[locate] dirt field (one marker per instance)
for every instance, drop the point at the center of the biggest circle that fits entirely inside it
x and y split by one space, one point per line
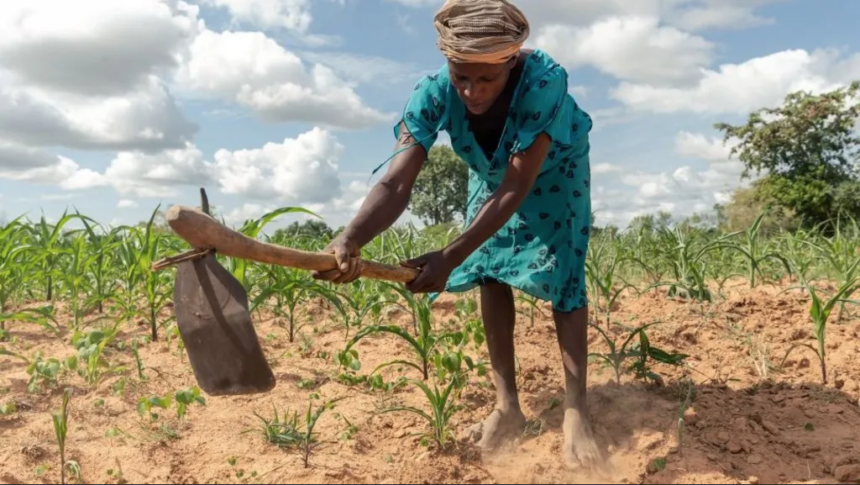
739 427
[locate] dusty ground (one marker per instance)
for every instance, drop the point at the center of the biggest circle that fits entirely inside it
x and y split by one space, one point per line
739 428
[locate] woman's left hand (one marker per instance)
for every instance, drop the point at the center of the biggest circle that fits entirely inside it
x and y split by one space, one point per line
435 269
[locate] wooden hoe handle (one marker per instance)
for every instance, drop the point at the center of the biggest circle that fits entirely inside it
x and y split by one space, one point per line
204 232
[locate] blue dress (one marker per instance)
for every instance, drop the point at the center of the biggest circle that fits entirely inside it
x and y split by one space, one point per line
541 250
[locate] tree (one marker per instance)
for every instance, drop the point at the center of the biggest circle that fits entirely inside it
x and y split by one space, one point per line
311 228
746 205
808 151
442 188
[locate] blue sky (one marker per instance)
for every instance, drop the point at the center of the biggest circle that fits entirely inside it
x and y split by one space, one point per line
115 111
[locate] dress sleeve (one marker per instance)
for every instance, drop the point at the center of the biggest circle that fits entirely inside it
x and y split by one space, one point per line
425 110
546 107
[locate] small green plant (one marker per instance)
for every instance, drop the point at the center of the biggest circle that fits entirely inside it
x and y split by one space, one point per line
442 408
819 312
182 399
8 409
61 429
640 351
289 432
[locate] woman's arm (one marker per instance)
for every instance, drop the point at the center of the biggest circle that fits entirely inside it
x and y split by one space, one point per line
496 211
390 196
382 207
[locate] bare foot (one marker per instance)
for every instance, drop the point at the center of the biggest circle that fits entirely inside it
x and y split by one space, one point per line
499 427
580 448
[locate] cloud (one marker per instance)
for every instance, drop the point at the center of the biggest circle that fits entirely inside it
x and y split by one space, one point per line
712 14
31 165
742 88
254 71
126 204
298 170
699 146
145 119
636 49
267 14
685 14
248 210
417 3
138 174
364 69
91 47
682 191
605 168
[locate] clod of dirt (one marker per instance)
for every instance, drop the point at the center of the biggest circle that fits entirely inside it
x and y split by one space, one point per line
735 447
754 460
754 480
848 474
691 417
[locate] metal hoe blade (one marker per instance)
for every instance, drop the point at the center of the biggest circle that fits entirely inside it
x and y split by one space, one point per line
215 325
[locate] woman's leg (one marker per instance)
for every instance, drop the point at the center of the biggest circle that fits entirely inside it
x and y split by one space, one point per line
507 419
572 331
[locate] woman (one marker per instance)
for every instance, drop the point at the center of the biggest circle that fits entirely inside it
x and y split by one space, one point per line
510 117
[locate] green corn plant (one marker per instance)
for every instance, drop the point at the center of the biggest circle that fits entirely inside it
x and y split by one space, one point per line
77 278
253 228
157 284
290 288
104 247
42 316
601 271
630 350
359 300
751 248
682 250
130 278
443 406
61 430
819 312
312 417
798 250
423 346
16 261
533 306
48 240
843 257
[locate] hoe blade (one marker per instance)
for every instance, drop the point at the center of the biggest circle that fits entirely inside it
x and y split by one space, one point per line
212 314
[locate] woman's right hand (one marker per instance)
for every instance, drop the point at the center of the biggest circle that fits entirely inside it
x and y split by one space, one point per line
346 253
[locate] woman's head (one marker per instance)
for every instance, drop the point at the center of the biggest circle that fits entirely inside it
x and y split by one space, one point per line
481 40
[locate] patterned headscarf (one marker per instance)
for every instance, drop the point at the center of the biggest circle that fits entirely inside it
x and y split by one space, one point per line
480 31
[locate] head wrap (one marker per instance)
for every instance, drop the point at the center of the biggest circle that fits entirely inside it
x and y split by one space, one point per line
480 31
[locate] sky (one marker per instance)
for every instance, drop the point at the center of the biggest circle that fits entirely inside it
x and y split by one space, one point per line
116 107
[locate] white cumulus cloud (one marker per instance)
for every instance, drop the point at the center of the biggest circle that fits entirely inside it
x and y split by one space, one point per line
254 71
298 170
31 165
636 49
741 88
267 14
95 47
138 174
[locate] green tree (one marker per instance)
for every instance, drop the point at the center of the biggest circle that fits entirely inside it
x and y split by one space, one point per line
311 228
808 152
442 187
747 204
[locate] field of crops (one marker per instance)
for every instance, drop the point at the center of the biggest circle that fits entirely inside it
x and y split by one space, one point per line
716 358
